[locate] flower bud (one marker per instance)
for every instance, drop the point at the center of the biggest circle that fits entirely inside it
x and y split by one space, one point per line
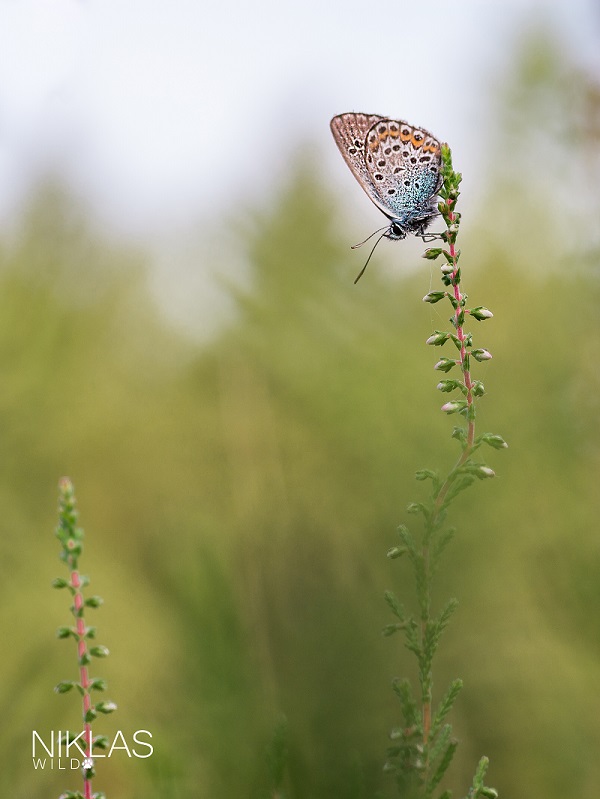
454 406
445 364
99 651
480 313
494 440
481 355
425 474
437 338
435 296
448 385
395 552
106 707
64 686
431 253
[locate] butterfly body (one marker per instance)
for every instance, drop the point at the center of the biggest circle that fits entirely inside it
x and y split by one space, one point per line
397 165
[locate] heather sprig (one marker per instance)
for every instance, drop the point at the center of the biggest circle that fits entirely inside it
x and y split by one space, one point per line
71 539
422 745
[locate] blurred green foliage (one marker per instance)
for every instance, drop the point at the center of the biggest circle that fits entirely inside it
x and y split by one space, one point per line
239 497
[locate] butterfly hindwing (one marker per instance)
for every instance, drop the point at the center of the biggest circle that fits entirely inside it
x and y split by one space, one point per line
403 163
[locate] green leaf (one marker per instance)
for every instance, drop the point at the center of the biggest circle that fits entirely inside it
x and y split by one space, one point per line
395 606
410 713
460 434
440 545
445 705
442 768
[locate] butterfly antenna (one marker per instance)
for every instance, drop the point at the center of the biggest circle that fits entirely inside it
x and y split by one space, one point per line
375 232
362 271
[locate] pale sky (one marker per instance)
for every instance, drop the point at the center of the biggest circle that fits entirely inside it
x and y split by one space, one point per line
160 112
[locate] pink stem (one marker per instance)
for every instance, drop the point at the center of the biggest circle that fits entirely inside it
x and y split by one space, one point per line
466 379
83 674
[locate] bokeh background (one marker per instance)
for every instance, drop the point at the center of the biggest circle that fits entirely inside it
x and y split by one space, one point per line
180 334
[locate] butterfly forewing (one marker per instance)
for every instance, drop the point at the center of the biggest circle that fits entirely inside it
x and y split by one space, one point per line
350 132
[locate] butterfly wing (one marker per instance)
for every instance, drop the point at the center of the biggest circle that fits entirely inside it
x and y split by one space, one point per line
403 164
350 131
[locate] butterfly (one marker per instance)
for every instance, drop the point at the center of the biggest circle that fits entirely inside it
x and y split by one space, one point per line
399 167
